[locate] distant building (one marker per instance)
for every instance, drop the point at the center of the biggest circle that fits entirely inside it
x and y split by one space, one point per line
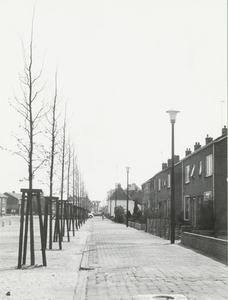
13 203
118 197
3 204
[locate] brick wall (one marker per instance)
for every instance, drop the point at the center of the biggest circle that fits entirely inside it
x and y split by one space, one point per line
220 185
216 248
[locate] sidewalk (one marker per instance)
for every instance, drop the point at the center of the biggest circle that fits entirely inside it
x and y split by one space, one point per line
105 260
57 281
126 264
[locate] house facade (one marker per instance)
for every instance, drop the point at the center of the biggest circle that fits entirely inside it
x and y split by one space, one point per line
13 203
3 204
118 197
156 192
204 186
200 186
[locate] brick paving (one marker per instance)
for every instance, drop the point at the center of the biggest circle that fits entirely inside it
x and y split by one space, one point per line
105 260
124 263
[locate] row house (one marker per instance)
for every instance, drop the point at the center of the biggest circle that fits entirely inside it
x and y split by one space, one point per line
157 191
200 186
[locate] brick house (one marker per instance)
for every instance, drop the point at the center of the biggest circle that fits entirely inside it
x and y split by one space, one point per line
200 186
204 187
13 203
157 191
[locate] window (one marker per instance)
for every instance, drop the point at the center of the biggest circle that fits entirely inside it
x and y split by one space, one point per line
168 208
164 181
187 171
168 181
200 167
208 165
165 209
159 184
193 170
207 196
186 208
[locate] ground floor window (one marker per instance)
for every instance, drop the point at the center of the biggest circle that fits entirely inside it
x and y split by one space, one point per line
186 208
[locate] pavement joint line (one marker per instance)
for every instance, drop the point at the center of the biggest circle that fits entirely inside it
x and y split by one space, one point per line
161 297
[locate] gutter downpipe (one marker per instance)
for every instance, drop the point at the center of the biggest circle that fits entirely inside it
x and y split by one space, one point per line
213 188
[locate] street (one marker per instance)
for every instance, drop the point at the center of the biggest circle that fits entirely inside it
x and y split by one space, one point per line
106 260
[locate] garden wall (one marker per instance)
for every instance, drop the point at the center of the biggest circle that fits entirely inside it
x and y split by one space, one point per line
214 247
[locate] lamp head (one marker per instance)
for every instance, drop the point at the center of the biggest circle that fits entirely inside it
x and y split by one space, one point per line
172 115
127 168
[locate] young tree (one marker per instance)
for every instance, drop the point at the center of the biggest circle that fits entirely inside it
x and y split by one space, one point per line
63 157
31 107
52 132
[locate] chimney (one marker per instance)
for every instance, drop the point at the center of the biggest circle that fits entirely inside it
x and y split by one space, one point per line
224 130
208 139
197 146
164 166
176 160
188 151
169 162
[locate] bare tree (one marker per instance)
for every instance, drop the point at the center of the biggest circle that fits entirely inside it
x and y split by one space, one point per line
31 108
69 167
63 157
53 132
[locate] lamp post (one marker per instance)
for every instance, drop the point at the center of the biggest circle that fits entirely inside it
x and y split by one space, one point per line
116 199
172 114
110 203
127 168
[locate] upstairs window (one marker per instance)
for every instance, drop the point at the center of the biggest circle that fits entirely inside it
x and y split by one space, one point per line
193 171
200 167
208 165
168 181
187 171
159 184
164 182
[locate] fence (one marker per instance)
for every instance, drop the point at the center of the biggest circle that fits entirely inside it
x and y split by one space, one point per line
159 227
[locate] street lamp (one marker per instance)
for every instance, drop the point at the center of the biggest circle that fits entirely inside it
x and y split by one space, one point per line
116 199
127 168
172 114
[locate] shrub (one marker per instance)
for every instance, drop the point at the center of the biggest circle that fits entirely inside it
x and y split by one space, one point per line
119 214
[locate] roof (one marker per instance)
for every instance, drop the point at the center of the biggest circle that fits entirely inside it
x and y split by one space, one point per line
120 194
136 196
209 144
3 196
15 195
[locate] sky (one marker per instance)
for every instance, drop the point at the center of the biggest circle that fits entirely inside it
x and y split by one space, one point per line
121 65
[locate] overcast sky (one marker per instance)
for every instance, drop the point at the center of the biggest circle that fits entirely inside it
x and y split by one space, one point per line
121 65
